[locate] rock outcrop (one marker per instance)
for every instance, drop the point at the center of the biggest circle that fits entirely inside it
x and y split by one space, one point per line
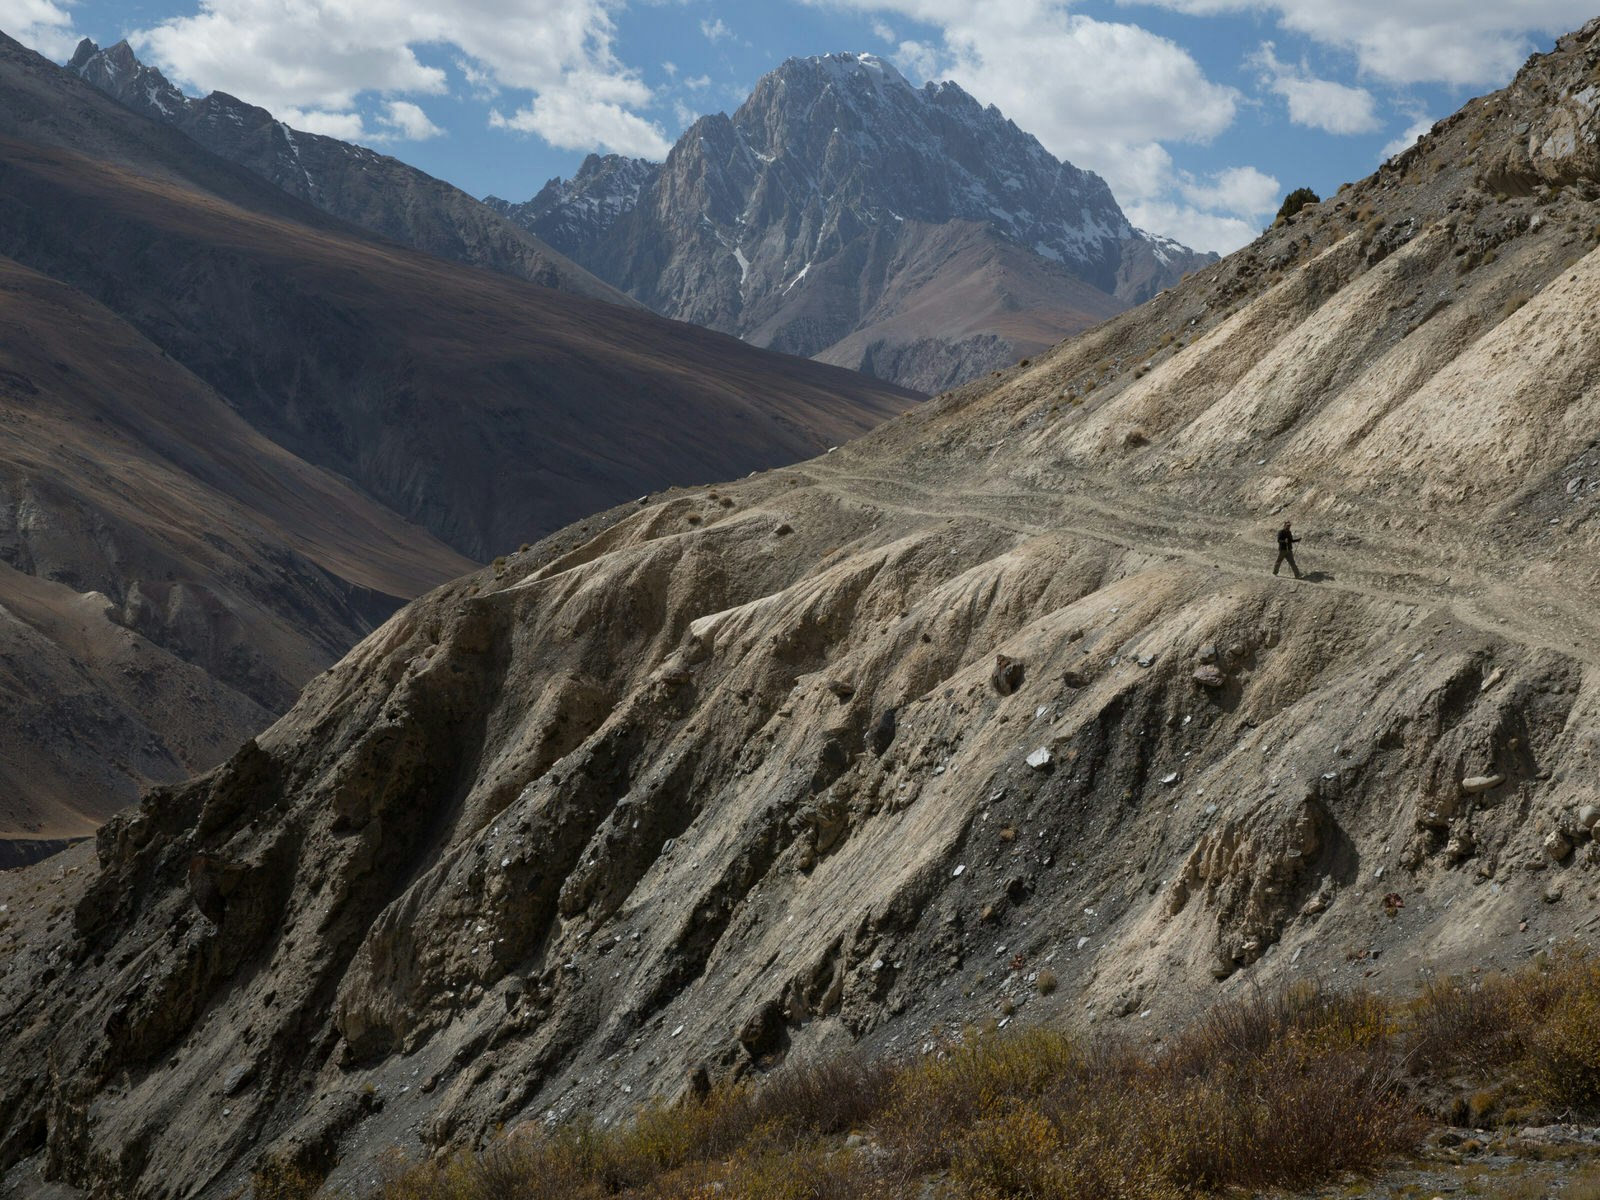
724 776
843 214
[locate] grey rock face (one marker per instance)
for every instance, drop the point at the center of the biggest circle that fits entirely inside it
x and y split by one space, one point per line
572 214
787 223
351 182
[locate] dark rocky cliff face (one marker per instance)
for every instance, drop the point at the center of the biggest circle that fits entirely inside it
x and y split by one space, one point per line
788 222
358 185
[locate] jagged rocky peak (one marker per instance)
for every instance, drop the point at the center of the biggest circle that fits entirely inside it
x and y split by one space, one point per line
351 182
573 212
835 212
931 154
117 71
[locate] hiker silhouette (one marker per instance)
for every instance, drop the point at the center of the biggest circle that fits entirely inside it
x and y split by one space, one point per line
1286 541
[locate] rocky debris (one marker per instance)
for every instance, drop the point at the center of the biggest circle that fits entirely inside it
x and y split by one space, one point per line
1040 759
1558 845
1209 676
1007 674
1473 784
881 736
1250 874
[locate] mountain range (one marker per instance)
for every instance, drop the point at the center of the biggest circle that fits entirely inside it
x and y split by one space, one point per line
843 214
351 182
237 431
846 755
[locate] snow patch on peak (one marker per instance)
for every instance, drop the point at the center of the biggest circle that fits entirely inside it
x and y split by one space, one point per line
848 65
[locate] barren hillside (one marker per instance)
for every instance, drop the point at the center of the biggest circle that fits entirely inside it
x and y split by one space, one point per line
730 775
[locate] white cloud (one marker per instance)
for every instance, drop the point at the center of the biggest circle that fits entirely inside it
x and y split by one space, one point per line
1419 126
1240 191
1195 229
408 121
346 126
570 121
698 83
1418 41
40 25
716 30
324 59
883 32
1221 211
1317 103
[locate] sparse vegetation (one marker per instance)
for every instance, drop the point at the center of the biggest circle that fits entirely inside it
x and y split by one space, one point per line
1268 1092
1515 301
1294 202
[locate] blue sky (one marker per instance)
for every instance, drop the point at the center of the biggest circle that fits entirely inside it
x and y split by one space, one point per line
1201 114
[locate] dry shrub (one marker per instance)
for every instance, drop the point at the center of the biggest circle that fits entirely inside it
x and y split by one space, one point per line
1287 1119
796 1103
1305 1016
1562 1009
1019 1151
937 1100
1460 1024
283 1181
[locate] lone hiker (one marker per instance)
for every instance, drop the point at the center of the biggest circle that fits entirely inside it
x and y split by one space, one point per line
1286 541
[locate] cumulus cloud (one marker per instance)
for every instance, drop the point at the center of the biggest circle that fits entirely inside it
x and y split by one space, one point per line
1088 89
40 25
1240 191
1317 103
1220 211
346 126
716 30
408 121
570 120
1420 41
324 58
1194 228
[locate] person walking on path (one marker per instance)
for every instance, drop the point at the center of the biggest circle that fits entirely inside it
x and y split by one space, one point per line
1286 541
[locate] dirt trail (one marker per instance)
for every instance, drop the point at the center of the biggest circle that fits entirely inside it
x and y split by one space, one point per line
1415 576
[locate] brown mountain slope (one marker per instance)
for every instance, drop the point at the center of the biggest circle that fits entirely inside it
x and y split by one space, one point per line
702 784
961 300
486 409
171 576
